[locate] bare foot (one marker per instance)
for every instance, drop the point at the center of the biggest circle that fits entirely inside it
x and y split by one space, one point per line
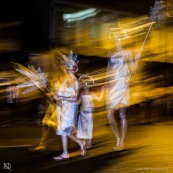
83 148
119 147
39 148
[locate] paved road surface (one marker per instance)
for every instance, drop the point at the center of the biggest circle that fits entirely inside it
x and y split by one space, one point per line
149 149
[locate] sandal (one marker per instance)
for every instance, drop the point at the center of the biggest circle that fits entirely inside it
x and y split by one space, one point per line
61 157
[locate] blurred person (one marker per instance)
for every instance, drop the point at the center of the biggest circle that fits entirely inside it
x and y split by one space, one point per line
36 80
41 110
67 95
12 100
12 93
50 119
119 70
49 122
85 119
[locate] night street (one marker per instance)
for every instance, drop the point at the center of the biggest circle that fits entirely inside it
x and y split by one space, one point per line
148 148
91 71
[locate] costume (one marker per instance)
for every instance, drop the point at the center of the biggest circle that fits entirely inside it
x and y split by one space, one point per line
85 119
67 113
118 74
67 93
120 68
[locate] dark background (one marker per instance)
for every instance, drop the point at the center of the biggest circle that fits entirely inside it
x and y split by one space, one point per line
34 17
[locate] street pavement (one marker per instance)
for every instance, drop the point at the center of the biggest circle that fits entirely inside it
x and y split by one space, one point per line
148 149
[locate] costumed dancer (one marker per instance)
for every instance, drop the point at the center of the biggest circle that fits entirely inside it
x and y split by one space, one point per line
119 70
37 80
67 95
49 122
85 119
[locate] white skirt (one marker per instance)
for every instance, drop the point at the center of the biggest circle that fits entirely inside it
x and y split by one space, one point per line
85 124
67 116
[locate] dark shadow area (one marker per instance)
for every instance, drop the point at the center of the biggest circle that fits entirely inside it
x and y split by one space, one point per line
42 162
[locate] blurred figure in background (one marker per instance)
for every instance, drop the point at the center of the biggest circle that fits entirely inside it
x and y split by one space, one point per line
49 122
41 110
12 100
119 70
37 81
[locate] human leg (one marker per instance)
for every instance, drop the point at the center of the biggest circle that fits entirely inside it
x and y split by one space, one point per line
65 154
45 132
81 143
113 125
122 113
64 141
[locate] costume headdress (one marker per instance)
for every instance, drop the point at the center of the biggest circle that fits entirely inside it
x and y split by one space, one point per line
86 81
117 34
68 61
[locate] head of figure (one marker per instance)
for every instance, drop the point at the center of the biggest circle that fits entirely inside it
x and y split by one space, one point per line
71 67
117 35
66 60
86 82
85 86
71 63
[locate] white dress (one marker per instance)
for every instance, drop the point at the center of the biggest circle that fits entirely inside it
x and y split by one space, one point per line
85 119
67 114
117 90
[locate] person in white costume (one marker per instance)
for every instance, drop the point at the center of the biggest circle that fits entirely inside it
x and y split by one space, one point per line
85 119
119 70
67 96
